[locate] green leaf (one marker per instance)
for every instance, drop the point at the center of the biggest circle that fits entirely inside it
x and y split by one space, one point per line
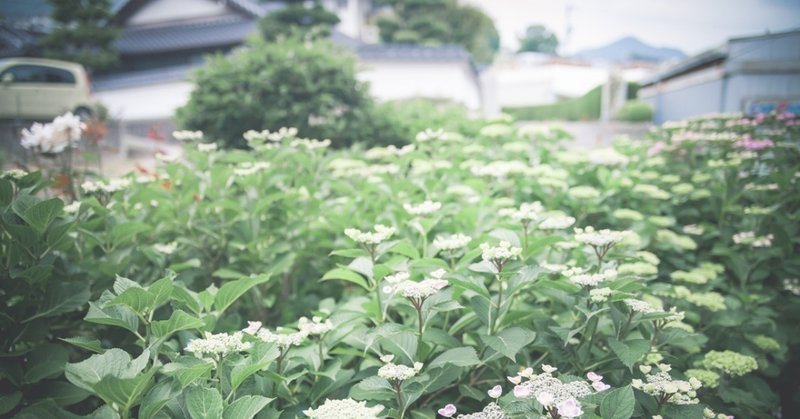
161 291
9 401
187 369
62 392
372 388
618 403
245 407
406 249
261 356
179 320
629 351
86 343
137 299
41 214
122 233
62 297
113 362
204 403
45 361
125 392
231 291
346 275
462 357
119 316
510 341
158 397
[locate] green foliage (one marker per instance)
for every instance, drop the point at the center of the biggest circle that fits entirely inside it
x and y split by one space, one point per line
299 18
399 318
271 85
635 111
586 107
438 22
539 39
83 33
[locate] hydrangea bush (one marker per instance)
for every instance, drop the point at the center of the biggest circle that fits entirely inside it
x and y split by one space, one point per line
497 275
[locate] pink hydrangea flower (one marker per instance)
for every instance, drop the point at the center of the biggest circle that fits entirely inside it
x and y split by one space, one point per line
594 377
569 408
448 410
522 392
495 392
656 148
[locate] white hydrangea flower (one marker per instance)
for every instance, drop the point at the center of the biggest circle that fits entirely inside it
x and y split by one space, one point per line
527 212
13 174
750 238
500 253
310 144
315 326
599 295
55 137
381 234
186 135
248 168
592 280
167 249
112 186
219 344
640 306
501 169
344 409
599 238
661 385
282 339
166 158
556 222
451 242
431 135
425 208
394 372
207 147
73 207
378 153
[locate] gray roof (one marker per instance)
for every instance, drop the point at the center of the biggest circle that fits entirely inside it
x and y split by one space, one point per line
142 77
690 64
211 33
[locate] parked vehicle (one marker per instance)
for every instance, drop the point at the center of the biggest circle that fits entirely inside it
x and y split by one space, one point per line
35 88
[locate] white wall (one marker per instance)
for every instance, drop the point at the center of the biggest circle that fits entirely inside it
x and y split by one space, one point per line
392 80
158 11
526 84
157 101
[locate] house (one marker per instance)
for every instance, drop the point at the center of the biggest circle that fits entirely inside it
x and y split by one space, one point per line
749 74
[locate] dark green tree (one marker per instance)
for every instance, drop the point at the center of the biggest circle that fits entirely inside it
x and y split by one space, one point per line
437 22
307 19
83 33
539 39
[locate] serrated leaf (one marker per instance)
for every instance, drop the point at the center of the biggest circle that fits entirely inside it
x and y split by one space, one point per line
125 392
187 369
461 357
618 403
122 233
138 299
204 403
120 316
158 397
179 320
509 342
372 388
261 356
231 291
41 214
62 297
85 342
406 249
245 407
629 351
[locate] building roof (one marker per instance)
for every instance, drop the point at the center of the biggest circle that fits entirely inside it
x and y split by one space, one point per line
182 36
143 77
15 41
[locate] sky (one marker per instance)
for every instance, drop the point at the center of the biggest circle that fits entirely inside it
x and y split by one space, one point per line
689 25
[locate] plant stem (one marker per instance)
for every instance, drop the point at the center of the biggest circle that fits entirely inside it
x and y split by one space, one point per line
499 303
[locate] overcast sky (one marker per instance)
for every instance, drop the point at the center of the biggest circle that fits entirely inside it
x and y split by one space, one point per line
689 25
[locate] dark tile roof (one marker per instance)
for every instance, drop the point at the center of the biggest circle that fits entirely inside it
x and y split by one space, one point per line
201 34
15 41
142 77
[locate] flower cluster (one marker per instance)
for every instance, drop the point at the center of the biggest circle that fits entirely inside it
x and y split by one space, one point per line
498 255
661 385
248 168
651 191
13 174
599 295
527 212
451 242
592 280
431 135
378 153
282 339
111 186
219 344
709 379
310 143
551 393
416 291
491 411
599 238
166 248
185 135
425 208
315 326
206 147
54 137
729 362
381 234
750 238
556 222
344 409
395 372
266 135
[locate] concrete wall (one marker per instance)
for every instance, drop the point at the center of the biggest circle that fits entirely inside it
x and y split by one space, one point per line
393 80
158 11
156 101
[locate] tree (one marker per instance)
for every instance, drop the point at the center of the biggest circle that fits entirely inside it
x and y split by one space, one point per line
291 83
299 18
437 22
83 33
539 39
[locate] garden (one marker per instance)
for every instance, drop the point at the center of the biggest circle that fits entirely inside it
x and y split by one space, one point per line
487 273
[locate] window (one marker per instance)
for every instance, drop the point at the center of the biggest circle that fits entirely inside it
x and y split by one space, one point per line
28 73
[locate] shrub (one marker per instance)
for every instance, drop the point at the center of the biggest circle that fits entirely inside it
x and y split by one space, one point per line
635 111
586 107
310 86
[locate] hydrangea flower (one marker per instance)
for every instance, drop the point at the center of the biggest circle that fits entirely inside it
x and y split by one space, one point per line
220 344
54 137
397 373
569 408
527 212
592 280
282 339
207 147
556 222
315 326
425 208
604 238
662 386
709 379
344 409
167 249
730 363
431 135
380 234
451 242
599 295
500 254
447 411
491 411
186 135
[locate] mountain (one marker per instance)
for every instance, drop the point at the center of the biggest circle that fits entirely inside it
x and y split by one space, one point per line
630 49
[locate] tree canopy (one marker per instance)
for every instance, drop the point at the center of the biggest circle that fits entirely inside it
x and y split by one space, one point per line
539 39
306 19
82 33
